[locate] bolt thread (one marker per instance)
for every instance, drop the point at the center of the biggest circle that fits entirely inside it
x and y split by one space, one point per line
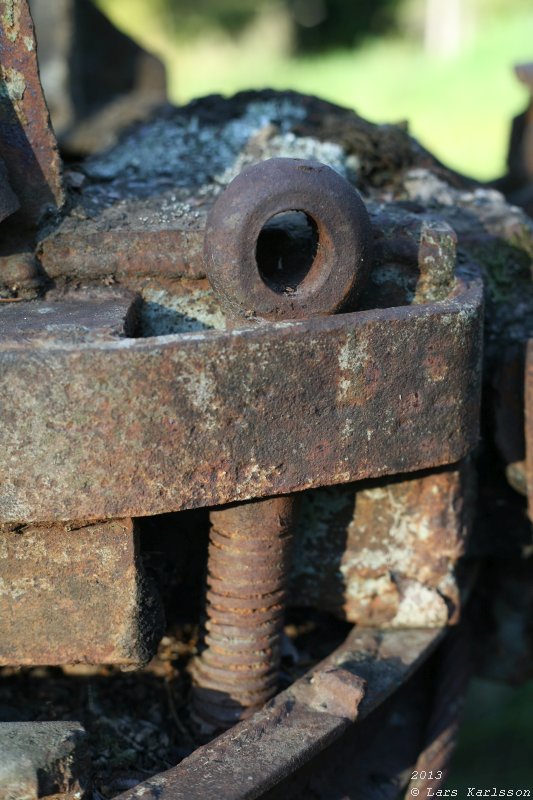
248 565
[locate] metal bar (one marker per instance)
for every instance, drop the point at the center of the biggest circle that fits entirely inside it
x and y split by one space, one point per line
295 726
145 426
27 142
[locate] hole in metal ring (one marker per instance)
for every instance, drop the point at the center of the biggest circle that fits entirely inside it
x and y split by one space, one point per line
286 249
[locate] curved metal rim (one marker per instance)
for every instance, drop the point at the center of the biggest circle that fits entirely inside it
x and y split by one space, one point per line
256 754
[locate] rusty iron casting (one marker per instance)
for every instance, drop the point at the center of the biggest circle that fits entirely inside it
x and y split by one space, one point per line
270 398
60 582
76 317
52 605
249 548
27 143
143 426
351 544
258 753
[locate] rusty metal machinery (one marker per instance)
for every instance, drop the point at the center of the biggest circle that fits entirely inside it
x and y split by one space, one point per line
269 309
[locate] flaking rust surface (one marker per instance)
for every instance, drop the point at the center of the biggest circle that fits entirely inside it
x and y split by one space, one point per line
258 753
74 593
74 316
214 417
386 553
27 142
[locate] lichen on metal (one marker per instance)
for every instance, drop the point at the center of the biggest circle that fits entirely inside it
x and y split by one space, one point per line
27 142
370 371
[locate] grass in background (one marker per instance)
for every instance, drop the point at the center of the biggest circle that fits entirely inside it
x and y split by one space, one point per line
460 108
495 742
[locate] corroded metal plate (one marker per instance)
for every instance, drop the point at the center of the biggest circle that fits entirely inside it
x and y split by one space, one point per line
27 142
144 426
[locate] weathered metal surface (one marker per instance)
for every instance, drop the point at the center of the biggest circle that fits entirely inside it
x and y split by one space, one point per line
294 727
132 242
137 427
19 273
75 593
27 143
414 254
78 316
248 565
386 553
238 670
372 759
141 206
336 273
41 759
376 758
8 199
125 255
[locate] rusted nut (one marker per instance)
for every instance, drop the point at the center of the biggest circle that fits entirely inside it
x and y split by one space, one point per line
337 691
333 278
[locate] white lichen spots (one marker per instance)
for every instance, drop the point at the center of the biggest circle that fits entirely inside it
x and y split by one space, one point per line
289 146
384 559
406 526
193 153
351 360
30 43
109 555
163 313
377 494
420 607
17 587
13 86
10 18
203 399
255 478
190 151
348 429
364 590
424 186
201 394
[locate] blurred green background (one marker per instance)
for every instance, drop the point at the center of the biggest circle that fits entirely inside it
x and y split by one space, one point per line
496 739
443 65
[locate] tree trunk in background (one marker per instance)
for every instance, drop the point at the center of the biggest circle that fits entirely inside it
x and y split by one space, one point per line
443 27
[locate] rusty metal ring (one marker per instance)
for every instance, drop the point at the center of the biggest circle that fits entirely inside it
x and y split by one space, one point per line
260 192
